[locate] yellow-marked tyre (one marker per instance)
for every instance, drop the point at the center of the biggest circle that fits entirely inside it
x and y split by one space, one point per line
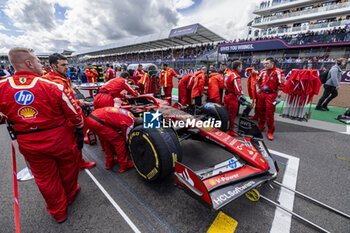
154 152
253 195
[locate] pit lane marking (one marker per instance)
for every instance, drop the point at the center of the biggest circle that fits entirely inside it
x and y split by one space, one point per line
282 220
223 224
116 206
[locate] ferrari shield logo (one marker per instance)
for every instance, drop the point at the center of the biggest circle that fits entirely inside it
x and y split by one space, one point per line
22 80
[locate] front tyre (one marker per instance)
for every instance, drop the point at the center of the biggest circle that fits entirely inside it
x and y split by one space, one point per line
154 152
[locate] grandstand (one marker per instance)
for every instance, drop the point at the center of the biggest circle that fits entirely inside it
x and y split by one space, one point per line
298 33
181 47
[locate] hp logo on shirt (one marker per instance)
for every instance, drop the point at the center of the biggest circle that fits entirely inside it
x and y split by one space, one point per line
151 120
24 97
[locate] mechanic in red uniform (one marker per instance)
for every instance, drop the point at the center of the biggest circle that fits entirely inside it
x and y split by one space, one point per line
215 84
47 68
59 66
104 122
138 73
112 89
91 75
110 73
224 69
144 84
185 86
166 79
233 89
40 111
253 78
270 82
198 86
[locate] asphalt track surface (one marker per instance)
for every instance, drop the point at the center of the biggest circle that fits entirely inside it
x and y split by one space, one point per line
162 207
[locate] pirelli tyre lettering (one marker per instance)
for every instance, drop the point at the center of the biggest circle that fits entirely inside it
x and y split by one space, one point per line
154 152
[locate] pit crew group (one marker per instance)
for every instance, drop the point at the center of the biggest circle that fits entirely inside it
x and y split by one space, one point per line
224 87
50 126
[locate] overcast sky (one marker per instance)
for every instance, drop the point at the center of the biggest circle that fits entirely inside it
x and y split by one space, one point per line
55 25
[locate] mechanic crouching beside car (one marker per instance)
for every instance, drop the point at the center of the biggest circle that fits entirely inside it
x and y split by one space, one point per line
113 125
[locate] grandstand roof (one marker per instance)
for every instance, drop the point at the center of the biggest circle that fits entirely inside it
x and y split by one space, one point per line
183 36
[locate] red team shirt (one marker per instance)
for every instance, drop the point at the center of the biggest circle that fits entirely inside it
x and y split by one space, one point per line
166 77
110 74
271 80
28 108
232 82
117 85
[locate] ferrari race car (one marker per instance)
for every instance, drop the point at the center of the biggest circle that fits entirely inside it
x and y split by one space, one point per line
154 146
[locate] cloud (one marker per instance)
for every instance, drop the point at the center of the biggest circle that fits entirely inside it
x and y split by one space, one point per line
228 18
2 27
33 15
182 4
88 24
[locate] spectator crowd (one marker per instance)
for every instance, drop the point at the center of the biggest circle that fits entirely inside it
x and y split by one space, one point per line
175 54
310 37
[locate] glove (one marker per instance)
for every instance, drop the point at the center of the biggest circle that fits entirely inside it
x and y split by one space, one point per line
259 91
277 100
79 134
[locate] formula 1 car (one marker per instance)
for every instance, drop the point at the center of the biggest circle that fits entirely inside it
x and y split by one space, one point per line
156 151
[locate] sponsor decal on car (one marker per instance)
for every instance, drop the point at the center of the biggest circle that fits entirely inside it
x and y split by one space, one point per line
227 138
231 193
245 124
233 142
226 166
232 163
254 156
219 133
187 177
250 146
226 179
239 147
